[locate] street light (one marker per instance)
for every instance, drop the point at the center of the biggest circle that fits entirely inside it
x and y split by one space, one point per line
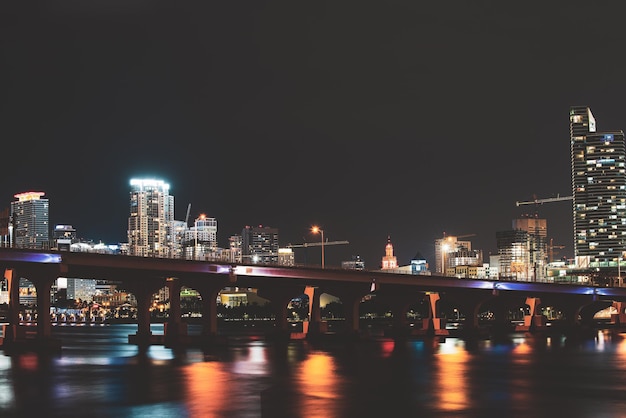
316 230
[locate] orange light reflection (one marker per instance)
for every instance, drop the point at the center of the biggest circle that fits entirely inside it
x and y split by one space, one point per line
207 384
451 376
319 386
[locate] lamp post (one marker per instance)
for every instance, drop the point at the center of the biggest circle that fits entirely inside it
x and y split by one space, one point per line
316 230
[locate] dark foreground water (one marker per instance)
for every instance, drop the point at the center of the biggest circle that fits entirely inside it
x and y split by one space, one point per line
98 374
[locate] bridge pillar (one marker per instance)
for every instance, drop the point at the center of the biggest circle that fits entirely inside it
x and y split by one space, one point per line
534 321
209 295
351 296
314 325
44 322
619 319
280 298
398 300
433 325
175 329
11 330
143 289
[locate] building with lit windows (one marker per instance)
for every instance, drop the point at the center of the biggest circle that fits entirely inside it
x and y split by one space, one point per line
599 191
151 218
200 242
514 255
259 245
445 249
29 226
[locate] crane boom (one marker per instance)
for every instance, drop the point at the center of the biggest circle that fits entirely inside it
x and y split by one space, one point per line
316 244
540 201
187 216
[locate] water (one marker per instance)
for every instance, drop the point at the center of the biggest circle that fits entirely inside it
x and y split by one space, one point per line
98 374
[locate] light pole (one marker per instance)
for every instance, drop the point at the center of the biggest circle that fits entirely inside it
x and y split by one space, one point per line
316 230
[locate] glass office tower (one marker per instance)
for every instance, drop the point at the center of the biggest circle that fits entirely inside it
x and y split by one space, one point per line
599 191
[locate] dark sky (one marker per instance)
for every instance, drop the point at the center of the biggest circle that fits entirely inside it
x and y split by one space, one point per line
371 119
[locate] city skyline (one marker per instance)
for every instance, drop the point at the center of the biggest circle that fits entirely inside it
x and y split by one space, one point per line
404 121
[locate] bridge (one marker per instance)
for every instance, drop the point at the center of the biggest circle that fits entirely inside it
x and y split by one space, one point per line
144 276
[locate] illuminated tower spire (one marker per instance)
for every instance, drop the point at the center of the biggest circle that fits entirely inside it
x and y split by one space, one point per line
389 260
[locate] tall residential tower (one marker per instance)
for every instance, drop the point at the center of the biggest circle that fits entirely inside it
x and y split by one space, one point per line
151 218
599 191
29 226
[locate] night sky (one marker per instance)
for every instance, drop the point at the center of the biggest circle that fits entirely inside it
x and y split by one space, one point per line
369 119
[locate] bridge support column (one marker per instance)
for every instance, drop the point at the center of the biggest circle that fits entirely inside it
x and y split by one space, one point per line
209 295
399 304
351 296
175 329
314 325
619 319
534 321
434 325
11 330
44 322
143 289
144 335
280 298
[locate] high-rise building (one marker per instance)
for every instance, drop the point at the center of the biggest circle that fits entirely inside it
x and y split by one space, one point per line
259 245
151 218
537 236
200 240
599 191
444 249
29 225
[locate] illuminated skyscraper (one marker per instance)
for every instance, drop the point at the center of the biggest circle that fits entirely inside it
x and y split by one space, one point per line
151 218
599 191
259 245
29 226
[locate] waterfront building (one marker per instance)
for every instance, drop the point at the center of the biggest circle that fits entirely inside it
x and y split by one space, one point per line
259 245
537 229
63 237
151 218
599 191
200 242
419 265
514 251
445 250
355 264
81 289
286 257
29 225
389 261
4 227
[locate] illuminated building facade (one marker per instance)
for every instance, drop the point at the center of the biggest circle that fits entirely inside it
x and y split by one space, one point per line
259 245
29 226
200 241
151 218
599 191
389 261
444 249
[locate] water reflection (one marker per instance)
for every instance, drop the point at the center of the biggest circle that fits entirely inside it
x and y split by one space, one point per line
515 375
450 380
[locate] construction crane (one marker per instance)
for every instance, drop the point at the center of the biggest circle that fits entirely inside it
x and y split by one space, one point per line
316 244
551 248
458 236
558 198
